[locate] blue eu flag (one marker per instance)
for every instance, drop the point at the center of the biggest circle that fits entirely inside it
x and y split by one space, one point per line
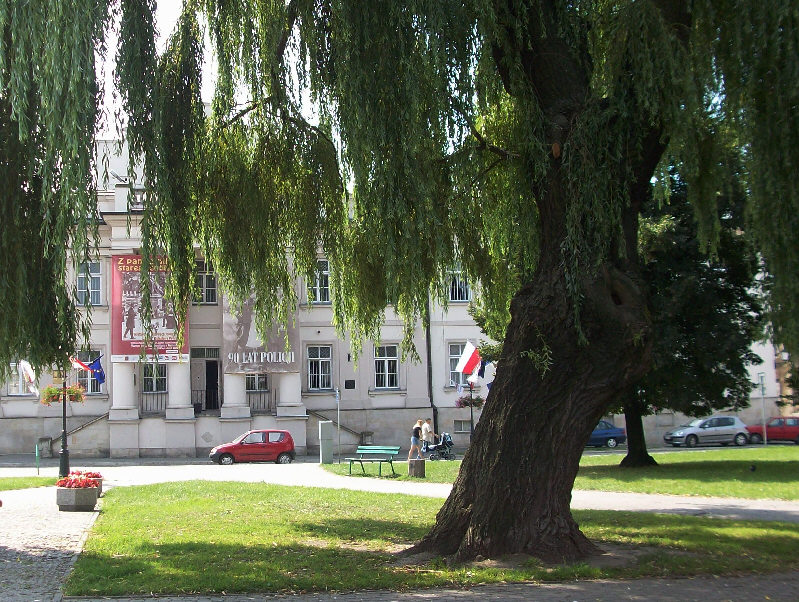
97 370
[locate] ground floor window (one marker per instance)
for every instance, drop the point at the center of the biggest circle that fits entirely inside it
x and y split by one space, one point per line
86 377
462 426
319 359
154 377
256 382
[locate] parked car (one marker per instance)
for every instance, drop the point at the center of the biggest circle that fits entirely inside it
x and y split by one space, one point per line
256 446
607 434
707 431
780 428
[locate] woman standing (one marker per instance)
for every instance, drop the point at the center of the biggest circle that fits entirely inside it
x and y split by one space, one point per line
416 434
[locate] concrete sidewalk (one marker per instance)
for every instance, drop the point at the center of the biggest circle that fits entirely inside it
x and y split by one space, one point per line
38 544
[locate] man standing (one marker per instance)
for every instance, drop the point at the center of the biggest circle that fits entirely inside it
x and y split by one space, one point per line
428 436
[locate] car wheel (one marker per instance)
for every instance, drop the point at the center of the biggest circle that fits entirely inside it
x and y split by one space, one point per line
611 442
740 439
755 439
226 459
691 441
284 459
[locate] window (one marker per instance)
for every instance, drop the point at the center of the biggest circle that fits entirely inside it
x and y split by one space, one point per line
256 382
154 377
458 287
386 367
17 385
205 281
320 291
456 378
275 437
319 367
86 377
256 437
205 353
89 283
462 426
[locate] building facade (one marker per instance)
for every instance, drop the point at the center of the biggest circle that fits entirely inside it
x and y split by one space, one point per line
225 380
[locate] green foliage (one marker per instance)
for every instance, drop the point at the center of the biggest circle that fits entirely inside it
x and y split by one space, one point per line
402 140
706 311
49 99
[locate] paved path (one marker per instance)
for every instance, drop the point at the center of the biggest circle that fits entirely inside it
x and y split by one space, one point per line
38 544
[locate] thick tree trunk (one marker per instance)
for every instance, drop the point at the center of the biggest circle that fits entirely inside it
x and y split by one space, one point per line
513 492
637 454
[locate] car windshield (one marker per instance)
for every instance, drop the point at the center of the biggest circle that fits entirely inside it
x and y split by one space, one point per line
240 437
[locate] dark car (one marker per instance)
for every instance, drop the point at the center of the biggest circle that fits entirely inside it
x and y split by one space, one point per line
781 428
607 434
256 446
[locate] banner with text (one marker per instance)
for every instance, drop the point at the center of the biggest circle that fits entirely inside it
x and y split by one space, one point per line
127 326
244 351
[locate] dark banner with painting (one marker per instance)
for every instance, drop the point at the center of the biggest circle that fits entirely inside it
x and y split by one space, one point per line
127 326
244 351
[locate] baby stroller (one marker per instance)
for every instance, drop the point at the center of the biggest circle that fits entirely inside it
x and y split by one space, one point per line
441 450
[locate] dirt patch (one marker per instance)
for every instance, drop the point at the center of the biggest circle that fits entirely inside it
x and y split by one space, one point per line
609 556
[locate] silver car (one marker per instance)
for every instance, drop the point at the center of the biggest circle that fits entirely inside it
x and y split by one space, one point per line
709 431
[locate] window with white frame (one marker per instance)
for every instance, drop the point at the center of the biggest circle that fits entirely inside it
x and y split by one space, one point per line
86 377
456 378
17 385
256 382
89 282
320 291
205 280
319 364
386 367
458 287
154 377
462 426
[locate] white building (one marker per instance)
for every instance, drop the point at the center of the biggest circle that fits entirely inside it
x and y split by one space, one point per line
225 381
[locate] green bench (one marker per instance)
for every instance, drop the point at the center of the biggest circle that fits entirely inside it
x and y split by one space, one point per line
386 453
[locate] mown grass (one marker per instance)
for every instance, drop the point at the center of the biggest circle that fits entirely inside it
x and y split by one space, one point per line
203 537
8 483
705 472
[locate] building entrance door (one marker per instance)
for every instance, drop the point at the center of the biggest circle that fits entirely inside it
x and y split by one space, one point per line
211 385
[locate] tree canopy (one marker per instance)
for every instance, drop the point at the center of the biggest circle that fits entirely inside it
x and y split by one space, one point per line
425 108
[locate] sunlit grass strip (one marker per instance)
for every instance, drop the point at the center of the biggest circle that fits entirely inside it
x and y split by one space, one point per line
8 483
708 472
201 537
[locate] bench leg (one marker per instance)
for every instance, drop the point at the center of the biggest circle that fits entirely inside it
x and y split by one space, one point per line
380 468
363 470
350 467
390 463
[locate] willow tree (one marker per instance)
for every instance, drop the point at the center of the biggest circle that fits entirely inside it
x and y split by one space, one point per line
407 138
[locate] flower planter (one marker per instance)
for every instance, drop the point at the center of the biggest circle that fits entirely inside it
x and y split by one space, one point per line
99 482
77 499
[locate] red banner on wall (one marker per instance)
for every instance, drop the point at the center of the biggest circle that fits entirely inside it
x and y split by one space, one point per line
127 326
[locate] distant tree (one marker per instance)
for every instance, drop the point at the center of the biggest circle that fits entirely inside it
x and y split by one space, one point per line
706 314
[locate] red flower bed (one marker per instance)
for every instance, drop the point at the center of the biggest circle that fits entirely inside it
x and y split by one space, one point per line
76 482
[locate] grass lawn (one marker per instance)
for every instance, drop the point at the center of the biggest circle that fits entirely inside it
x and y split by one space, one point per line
204 537
709 472
7 483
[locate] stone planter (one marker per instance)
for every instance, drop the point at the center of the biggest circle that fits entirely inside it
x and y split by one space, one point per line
99 486
79 499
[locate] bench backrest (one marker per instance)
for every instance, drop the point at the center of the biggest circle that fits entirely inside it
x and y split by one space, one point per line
389 450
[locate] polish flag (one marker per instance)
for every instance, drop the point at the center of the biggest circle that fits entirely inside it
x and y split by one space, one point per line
79 365
469 360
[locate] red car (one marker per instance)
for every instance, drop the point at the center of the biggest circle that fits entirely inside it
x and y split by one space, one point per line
256 446
780 428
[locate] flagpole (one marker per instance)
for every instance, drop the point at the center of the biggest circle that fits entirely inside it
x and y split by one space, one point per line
471 411
63 456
